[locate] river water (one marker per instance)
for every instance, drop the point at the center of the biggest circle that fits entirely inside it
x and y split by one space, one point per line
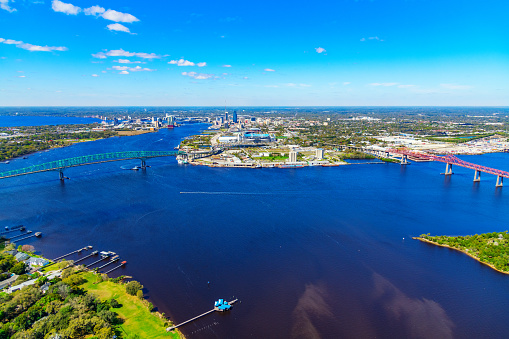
321 252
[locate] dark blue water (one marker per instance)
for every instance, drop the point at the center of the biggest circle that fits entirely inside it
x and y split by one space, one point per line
319 252
16 121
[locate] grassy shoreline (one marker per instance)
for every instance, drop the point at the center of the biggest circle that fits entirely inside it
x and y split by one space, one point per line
462 251
138 319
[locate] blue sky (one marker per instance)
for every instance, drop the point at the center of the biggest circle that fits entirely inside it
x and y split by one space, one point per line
254 53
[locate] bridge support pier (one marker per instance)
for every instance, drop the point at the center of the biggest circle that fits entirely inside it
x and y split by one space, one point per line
477 176
404 160
448 169
500 181
143 164
61 175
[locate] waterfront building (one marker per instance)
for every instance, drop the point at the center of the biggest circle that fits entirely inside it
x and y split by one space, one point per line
292 156
228 139
319 153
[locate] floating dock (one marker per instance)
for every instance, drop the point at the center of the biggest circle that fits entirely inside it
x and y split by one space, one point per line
219 306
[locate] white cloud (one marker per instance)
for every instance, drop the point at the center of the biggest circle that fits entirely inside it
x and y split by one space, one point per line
454 86
94 10
122 53
183 62
269 70
30 47
118 16
21 76
320 50
124 72
227 66
372 38
406 86
245 78
4 4
59 6
11 42
346 83
297 85
198 76
126 61
131 69
385 84
110 14
95 75
118 27
272 86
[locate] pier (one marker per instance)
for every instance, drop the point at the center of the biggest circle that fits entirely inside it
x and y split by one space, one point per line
17 228
217 308
95 262
77 251
87 256
114 259
36 234
19 235
114 268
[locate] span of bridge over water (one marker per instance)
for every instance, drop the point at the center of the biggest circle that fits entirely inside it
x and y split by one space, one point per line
61 165
451 160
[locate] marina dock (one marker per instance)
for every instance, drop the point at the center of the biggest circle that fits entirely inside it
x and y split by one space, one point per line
219 306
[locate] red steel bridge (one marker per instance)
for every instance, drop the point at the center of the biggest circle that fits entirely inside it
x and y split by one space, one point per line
449 160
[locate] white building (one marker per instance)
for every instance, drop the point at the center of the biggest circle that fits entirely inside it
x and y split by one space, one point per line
292 156
319 153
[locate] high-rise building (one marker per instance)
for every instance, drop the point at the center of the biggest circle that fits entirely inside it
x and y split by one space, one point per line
319 153
292 156
234 117
225 116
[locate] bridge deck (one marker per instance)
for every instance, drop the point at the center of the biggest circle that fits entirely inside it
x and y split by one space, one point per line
88 160
450 159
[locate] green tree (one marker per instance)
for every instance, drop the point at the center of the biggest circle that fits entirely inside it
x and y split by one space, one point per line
19 268
133 287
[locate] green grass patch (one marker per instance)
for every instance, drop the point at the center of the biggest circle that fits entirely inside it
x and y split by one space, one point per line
134 312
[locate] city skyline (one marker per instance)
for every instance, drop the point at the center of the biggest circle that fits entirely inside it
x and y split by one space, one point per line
342 53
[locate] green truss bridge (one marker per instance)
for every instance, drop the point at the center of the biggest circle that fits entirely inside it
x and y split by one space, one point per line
61 165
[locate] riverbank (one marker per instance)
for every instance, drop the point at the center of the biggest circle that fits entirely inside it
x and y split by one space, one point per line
137 318
135 312
464 251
